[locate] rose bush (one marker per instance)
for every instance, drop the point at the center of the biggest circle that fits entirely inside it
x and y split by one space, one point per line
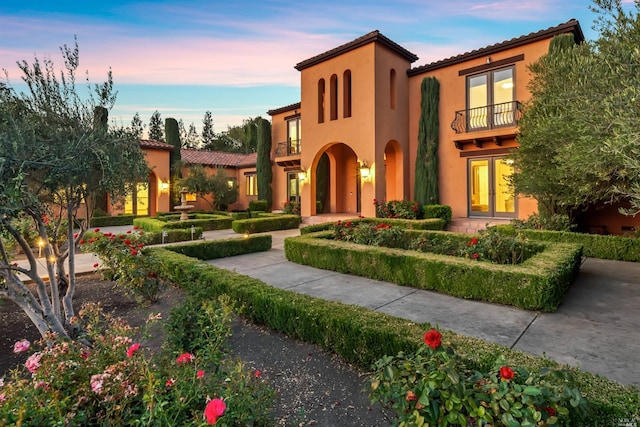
108 377
433 387
123 260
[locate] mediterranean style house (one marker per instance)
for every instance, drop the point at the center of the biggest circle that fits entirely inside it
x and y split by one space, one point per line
359 113
360 105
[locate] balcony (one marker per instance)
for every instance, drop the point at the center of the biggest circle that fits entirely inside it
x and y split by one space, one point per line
288 153
490 117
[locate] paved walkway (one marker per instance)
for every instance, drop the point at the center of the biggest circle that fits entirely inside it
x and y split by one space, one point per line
596 328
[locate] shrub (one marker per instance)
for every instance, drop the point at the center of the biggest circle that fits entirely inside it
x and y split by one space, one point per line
258 205
109 221
623 248
403 209
371 234
554 222
213 249
266 223
433 387
438 211
291 208
123 260
500 248
108 378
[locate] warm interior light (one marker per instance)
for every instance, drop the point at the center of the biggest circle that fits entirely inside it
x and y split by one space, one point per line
230 184
506 85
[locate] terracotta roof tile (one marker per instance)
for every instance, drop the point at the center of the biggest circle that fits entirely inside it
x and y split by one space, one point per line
571 26
372 37
218 158
150 143
284 109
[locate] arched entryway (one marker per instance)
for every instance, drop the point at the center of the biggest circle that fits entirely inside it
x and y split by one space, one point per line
342 193
393 171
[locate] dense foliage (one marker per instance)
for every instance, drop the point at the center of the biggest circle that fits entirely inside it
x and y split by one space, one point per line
426 181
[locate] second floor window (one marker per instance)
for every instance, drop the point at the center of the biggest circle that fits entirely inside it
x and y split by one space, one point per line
490 97
294 135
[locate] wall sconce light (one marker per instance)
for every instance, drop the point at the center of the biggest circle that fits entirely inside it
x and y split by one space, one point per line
230 184
302 175
365 171
164 186
488 60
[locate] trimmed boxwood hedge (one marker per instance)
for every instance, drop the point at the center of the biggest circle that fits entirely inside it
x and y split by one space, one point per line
536 284
409 224
437 211
266 223
223 248
362 336
110 221
212 222
620 248
155 237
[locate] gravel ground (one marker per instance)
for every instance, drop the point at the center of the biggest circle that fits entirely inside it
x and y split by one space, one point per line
314 388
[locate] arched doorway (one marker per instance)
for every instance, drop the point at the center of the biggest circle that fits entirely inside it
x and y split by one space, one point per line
343 180
393 171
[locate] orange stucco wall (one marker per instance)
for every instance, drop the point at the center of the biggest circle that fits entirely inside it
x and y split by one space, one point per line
452 166
204 203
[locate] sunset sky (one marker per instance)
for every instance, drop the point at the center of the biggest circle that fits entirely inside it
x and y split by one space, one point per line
236 58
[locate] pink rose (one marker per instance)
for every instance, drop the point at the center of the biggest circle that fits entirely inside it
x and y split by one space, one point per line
21 346
185 358
33 362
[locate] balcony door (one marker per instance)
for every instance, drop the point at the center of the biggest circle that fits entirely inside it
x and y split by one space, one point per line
490 98
490 193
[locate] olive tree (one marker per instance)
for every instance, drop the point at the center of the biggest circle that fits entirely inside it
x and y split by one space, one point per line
58 156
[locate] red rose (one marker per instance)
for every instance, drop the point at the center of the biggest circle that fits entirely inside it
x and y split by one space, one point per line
132 349
433 338
184 358
550 411
200 374
506 373
213 410
475 255
96 230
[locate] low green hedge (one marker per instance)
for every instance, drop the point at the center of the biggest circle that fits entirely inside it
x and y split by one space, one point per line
620 248
536 284
223 248
155 237
211 222
362 336
266 223
258 205
437 211
110 221
409 224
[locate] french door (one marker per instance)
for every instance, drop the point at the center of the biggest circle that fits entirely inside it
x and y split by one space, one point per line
490 192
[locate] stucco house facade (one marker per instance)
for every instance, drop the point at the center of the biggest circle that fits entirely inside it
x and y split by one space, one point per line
361 103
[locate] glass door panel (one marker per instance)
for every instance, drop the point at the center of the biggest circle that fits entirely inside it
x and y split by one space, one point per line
490 192
479 186
504 194
478 101
503 97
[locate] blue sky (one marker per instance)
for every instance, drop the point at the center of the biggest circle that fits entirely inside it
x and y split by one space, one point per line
236 58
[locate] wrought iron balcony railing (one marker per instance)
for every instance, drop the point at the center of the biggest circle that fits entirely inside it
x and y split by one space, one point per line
488 117
289 148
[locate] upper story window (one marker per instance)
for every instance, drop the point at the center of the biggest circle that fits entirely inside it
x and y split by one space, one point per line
346 93
294 135
393 95
321 95
333 97
490 99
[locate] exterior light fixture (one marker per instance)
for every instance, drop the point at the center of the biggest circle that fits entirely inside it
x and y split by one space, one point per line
164 186
365 171
230 184
246 235
40 246
302 175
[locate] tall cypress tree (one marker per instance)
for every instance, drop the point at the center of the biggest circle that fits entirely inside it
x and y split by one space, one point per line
172 131
426 181
263 163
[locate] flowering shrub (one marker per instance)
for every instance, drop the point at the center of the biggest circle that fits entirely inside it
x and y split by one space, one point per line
370 234
107 377
404 209
124 261
491 245
432 387
291 208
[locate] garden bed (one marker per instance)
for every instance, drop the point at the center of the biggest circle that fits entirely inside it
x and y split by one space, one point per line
536 284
